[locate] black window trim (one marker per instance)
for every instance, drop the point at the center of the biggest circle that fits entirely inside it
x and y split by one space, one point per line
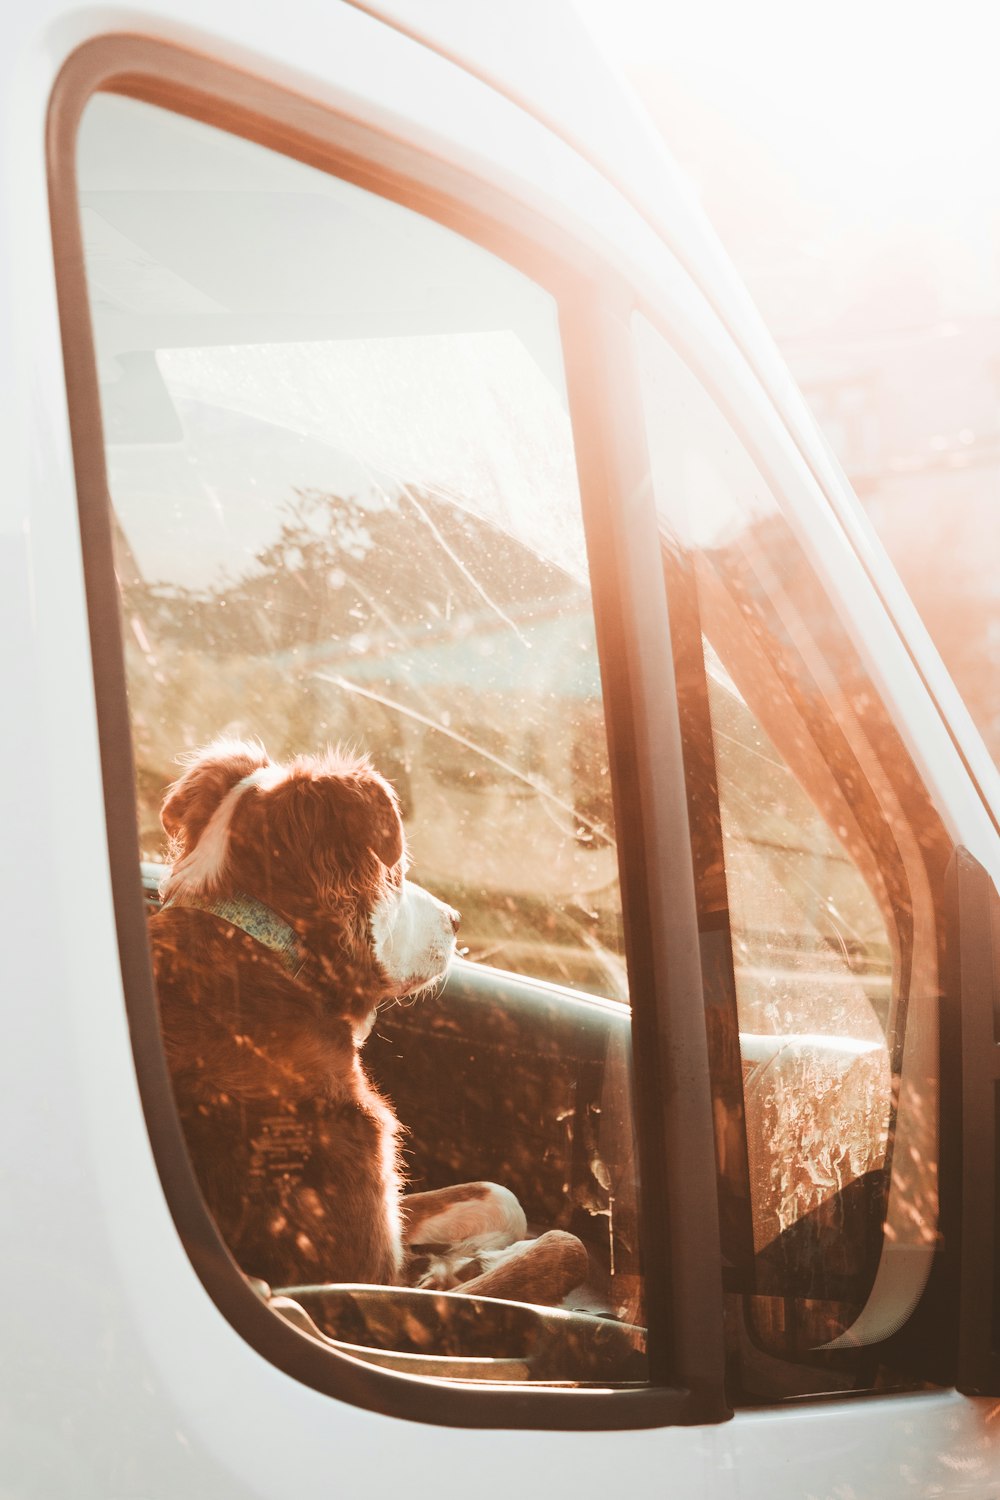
681 1253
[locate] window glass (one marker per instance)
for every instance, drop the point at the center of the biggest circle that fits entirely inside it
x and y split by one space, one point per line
347 509
817 861
346 513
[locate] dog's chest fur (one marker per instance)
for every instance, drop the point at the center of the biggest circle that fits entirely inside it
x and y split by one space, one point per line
294 1149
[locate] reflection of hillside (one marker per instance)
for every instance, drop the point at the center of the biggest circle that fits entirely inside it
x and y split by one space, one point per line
820 670
462 661
813 782
375 573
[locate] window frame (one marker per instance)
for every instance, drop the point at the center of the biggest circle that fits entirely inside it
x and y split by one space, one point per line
680 1249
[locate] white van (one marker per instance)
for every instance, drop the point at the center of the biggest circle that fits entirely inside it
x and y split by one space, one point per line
371 379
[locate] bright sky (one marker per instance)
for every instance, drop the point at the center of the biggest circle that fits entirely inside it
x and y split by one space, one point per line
889 108
849 155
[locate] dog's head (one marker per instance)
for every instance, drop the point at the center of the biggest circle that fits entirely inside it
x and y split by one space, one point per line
319 840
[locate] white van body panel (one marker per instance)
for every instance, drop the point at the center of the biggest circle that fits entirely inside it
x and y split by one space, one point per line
121 1379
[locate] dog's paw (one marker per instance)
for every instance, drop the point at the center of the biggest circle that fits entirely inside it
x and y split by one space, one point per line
437 1270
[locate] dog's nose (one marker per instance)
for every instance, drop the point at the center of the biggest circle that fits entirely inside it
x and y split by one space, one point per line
456 919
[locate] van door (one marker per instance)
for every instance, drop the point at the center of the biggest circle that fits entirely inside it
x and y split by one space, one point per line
352 460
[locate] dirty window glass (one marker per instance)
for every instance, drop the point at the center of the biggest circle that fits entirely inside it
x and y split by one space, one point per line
346 513
817 860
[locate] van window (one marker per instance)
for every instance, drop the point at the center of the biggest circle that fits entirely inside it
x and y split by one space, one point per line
818 867
344 484
346 513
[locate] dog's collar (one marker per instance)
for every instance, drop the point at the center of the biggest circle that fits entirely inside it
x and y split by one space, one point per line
257 921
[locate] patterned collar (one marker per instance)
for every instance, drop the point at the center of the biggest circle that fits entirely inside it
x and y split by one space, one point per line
257 921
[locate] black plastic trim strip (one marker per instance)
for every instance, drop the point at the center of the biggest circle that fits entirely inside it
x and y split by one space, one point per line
639 703
673 1086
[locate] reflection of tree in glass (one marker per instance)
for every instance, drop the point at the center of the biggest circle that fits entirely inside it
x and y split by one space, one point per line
341 568
832 855
408 626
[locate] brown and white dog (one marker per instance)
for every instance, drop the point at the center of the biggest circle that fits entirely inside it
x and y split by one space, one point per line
287 918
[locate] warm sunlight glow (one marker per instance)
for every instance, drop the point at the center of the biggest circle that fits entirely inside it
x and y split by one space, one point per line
847 159
883 114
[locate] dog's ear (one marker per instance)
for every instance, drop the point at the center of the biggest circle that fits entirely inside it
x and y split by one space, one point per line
376 821
336 816
210 775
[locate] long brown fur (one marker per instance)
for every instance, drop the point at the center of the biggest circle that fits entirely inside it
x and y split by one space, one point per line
294 1149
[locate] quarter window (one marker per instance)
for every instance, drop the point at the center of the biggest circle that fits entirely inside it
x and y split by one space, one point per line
818 866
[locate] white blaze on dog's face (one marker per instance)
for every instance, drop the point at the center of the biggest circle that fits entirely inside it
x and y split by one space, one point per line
413 935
